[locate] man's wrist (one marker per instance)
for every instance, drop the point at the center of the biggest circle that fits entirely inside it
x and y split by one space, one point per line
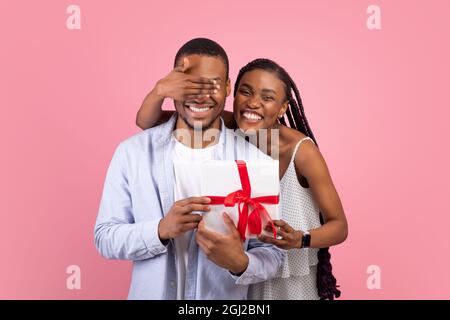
241 267
162 237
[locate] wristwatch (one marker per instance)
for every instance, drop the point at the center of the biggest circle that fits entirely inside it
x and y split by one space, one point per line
306 239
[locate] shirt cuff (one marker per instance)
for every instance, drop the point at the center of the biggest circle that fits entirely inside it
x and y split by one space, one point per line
149 234
249 273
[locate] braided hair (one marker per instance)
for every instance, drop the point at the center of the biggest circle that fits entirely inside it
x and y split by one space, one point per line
326 282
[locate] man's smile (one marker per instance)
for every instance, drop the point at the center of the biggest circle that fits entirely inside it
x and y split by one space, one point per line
199 110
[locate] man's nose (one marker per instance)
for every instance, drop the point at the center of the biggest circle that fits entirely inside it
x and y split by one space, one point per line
201 99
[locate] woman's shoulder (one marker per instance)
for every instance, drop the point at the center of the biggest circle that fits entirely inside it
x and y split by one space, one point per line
291 137
307 149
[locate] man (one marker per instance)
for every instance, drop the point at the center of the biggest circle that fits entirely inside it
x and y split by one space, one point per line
140 220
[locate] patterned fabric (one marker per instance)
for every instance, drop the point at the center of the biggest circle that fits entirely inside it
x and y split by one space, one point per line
296 279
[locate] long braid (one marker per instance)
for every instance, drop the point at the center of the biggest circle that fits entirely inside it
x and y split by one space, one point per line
326 282
299 105
291 119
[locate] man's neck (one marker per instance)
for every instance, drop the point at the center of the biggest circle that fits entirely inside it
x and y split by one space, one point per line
197 138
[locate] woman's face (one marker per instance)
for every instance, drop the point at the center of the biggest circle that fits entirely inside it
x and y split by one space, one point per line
260 99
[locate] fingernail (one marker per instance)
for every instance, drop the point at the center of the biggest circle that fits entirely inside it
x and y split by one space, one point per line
207 95
208 199
215 91
218 86
214 81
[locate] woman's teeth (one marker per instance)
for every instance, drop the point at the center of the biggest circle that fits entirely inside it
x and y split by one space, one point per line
251 116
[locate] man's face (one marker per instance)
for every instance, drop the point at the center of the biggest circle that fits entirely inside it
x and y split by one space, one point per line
205 111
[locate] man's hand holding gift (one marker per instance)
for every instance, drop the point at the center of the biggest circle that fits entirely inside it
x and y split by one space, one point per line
180 218
225 250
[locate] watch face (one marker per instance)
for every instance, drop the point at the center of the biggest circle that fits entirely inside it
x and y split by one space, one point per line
306 240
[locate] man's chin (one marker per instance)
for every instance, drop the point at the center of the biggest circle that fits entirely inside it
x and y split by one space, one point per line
200 124
196 124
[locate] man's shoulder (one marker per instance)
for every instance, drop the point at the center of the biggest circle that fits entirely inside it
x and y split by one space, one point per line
142 140
138 138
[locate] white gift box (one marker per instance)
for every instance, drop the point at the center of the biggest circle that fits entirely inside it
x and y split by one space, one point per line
220 178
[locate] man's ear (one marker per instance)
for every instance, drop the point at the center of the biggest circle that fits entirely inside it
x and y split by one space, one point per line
228 88
183 65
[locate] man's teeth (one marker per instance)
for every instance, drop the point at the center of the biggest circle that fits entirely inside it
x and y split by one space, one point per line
251 116
199 109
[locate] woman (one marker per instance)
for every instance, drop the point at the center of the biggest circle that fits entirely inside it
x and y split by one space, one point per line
312 215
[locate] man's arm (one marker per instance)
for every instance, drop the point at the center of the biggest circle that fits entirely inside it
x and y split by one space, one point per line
116 234
261 261
264 260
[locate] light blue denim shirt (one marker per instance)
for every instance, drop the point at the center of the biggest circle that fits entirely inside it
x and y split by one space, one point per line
138 192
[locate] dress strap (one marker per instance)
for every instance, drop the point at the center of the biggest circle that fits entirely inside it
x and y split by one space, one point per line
298 145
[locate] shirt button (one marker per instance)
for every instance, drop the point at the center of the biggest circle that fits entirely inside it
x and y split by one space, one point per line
172 283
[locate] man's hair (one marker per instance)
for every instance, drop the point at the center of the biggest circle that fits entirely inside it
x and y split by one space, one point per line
204 47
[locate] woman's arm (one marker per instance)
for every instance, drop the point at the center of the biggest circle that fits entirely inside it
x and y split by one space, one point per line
314 168
151 114
334 230
177 85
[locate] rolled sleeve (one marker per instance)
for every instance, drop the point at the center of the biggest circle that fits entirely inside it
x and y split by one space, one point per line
263 263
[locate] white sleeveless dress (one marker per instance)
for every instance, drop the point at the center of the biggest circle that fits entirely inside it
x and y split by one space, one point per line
296 279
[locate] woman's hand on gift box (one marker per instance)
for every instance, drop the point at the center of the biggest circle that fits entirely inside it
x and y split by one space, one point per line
289 238
225 250
180 218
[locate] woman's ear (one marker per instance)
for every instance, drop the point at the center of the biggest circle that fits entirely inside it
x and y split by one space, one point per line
228 88
283 109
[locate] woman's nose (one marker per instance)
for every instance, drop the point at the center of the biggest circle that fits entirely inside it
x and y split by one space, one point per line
253 102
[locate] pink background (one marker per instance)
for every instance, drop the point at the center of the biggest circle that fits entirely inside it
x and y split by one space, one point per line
378 102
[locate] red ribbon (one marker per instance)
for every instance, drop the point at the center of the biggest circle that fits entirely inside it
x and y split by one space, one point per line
243 199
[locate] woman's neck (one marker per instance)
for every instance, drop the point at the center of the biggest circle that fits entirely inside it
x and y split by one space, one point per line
271 140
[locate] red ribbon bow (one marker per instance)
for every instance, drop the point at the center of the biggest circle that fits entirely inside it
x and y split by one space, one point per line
243 199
